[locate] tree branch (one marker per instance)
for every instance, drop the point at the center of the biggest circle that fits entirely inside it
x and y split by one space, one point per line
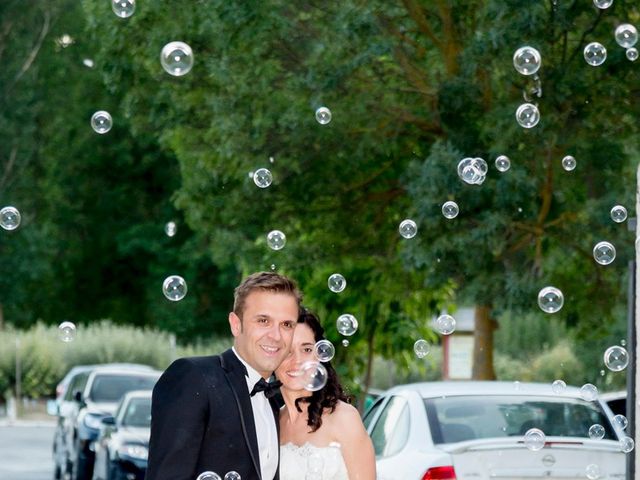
34 51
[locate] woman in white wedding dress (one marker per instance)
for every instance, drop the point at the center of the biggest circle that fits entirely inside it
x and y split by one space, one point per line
321 435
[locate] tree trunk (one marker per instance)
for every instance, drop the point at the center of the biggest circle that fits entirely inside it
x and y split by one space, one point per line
483 344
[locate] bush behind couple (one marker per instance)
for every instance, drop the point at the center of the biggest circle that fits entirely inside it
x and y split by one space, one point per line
216 413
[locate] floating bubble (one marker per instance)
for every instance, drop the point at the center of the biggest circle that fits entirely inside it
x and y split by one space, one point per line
534 439
616 358
592 471
503 163
558 386
604 253
450 210
323 115
618 214
345 342
176 58
67 332
527 115
595 54
208 476
271 159
632 54
569 163
527 60
262 178
621 421
626 35
473 170
421 348
596 432
623 342
313 375
337 283
123 8
174 288
347 324
589 392
550 299
276 240
87 62
627 444
170 229
445 324
101 122
232 475
273 266
603 4
408 228
10 218
602 373
324 350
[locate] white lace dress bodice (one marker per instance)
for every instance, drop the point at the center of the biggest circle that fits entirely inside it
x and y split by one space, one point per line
308 462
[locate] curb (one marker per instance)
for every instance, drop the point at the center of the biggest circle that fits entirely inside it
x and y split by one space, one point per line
26 423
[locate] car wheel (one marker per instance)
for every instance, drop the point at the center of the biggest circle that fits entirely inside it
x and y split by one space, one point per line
57 472
80 466
113 471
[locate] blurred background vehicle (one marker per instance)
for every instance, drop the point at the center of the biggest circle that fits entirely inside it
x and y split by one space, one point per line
122 447
616 401
90 396
466 429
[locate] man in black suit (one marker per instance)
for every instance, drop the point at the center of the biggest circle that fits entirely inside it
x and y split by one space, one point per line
217 413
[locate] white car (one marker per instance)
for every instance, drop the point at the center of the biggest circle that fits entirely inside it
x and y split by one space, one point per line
476 430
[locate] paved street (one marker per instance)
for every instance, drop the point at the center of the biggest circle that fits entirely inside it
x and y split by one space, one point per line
25 452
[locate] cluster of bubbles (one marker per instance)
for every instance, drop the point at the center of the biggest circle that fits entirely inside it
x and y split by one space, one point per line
534 439
324 350
176 58
445 324
450 210
558 386
473 170
347 324
67 331
616 358
408 228
174 288
323 115
123 8
262 178
276 240
170 228
336 282
421 348
233 475
589 392
10 218
550 299
503 163
569 163
618 214
604 253
627 36
101 122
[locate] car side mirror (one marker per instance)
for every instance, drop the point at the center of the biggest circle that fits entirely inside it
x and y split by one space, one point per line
53 408
108 420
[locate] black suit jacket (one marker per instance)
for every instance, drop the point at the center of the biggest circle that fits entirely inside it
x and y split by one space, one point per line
201 419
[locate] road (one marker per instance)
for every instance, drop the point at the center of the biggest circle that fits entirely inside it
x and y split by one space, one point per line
25 452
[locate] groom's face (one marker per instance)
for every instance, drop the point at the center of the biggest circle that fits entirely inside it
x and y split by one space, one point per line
264 333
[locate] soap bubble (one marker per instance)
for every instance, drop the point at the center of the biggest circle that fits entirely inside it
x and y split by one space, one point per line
313 375
337 283
473 170
604 253
170 229
602 4
324 350
347 324
232 475
621 421
10 218
596 432
627 444
626 35
534 439
550 299
276 240
632 54
445 324
208 476
450 210
174 288
589 392
408 228
527 60
558 386
262 178
323 115
421 348
123 8
101 122
527 115
67 332
595 54
176 58
618 214
569 163
503 163
616 358
592 471
345 342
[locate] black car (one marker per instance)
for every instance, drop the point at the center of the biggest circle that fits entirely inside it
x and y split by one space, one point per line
91 396
121 450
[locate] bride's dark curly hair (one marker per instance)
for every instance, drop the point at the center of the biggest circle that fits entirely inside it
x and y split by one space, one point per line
328 396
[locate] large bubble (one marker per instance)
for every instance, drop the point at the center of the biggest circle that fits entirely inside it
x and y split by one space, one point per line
10 218
592 471
604 253
626 35
421 348
347 324
596 432
232 475
589 392
101 122
558 386
527 115
408 228
208 476
616 358
621 421
262 178
276 240
445 324
534 439
595 54
569 163
323 115
632 54
527 60
618 214
503 163
603 4
550 299
174 288
67 331
176 58
123 8
450 210
627 444
337 283
324 350
314 376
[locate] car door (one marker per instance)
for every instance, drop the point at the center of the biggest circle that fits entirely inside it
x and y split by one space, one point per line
69 411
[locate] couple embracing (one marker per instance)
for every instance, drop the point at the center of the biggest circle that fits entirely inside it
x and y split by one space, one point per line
218 413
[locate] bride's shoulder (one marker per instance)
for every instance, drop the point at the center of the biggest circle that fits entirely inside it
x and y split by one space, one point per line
345 412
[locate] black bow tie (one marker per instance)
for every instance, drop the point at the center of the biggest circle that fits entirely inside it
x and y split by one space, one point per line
269 388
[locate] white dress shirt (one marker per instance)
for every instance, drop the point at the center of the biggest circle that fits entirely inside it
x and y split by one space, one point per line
265 425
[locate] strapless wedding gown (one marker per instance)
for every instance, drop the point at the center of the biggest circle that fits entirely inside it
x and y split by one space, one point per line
308 462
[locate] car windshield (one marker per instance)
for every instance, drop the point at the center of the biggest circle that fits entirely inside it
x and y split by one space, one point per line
138 413
460 418
110 387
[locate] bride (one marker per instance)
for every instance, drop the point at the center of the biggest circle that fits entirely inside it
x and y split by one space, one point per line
321 435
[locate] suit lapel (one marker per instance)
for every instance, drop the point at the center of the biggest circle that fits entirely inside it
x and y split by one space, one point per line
235 373
276 416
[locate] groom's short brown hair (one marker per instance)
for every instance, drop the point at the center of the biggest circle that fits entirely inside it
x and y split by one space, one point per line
264 281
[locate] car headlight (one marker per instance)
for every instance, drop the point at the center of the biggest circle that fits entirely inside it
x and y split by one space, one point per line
134 451
93 421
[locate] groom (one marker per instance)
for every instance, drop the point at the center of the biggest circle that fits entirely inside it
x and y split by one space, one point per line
216 413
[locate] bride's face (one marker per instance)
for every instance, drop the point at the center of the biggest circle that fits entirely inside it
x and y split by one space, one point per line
289 372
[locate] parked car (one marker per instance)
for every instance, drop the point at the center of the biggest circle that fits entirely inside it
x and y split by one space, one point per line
91 396
122 447
616 401
476 430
